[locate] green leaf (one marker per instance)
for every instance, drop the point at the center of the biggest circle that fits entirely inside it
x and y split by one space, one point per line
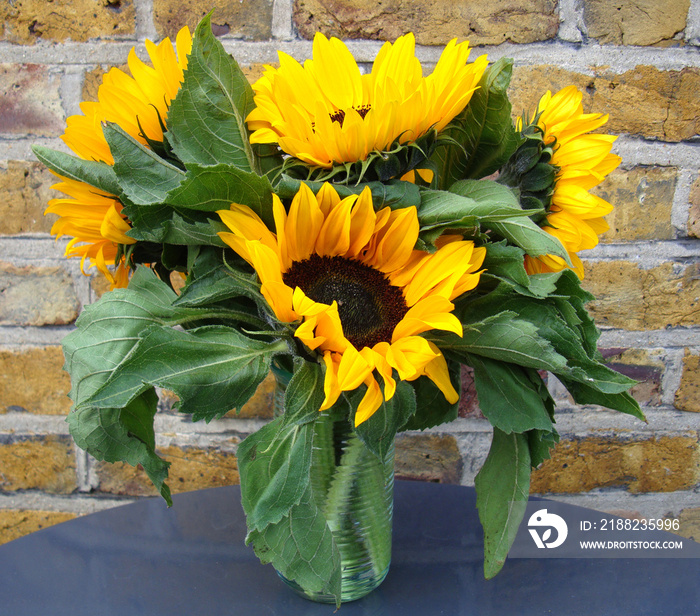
575 296
162 224
212 369
301 547
586 393
144 176
507 397
477 202
489 193
393 193
432 408
540 444
274 465
502 337
502 491
598 376
206 120
216 187
378 432
123 435
304 393
523 232
219 284
96 173
484 129
107 330
504 261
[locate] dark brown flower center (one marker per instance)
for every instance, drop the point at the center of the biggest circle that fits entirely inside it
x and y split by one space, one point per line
369 306
339 116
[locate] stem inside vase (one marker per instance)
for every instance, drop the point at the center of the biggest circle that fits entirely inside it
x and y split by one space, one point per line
355 491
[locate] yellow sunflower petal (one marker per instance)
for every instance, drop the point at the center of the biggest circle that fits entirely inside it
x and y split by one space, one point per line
331 388
436 370
303 224
352 370
393 244
370 402
432 312
409 356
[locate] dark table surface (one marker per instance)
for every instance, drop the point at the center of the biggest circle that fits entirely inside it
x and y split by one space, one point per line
144 559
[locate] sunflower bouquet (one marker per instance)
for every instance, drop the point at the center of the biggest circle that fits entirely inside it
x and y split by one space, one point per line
360 235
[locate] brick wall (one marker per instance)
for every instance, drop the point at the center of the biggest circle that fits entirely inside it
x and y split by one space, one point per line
637 60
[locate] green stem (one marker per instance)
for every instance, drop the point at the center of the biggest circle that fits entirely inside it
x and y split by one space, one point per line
377 525
338 505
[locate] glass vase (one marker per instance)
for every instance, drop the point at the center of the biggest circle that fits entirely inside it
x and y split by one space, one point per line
355 491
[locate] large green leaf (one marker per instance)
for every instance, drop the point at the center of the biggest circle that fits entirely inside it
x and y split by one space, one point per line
378 432
144 177
503 337
484 130
566 329
304 393
274 465
507 396
206 120
505 261
212 369
301 547
587 393
216 187
108 330
502 490
123 435
470 205
96 173
523 232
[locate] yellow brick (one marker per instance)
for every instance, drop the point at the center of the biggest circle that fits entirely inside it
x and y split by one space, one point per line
689 520
688 393
37 463
27 21
631 298
15 523
665 464
694 211
428 457
25 190
643 199
248 19
191 469
434 22
34 380
635 22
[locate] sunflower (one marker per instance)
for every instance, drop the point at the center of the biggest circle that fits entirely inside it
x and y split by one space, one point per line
582 161
360 292
139 105
327 112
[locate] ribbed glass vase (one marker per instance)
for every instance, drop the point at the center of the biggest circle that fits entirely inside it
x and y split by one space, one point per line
355 491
